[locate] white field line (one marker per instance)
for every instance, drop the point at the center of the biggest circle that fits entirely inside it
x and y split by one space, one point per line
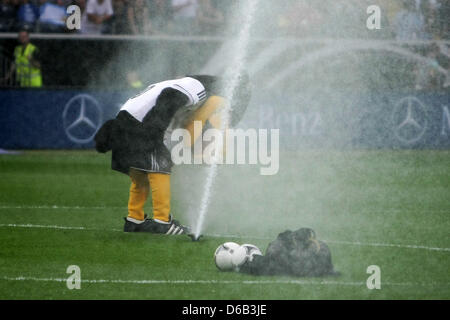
64 207
367 244
357 243
243 282
19 207
28 225
13 225
374 244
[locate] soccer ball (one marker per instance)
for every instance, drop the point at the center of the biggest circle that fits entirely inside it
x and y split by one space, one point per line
251 251
230 256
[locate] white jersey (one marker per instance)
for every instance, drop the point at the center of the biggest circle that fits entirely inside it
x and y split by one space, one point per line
141 104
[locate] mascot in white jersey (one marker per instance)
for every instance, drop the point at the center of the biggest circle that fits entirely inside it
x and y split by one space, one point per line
137 140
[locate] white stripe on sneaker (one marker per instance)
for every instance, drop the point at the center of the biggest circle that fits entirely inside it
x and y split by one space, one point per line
170 229
175 231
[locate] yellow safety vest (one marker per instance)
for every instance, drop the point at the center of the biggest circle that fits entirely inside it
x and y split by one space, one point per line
137 84
26 74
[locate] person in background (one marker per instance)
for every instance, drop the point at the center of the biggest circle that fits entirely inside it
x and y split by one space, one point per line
133 80
210 20
390 9
120 23
84 18
300 19
138 17
99 13
52 18
429 10
161 16
7 15
27 65
409 23
443 19
427 76
27 15
184 16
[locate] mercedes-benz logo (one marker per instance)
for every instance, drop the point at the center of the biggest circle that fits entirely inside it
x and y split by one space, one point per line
82 117
410 120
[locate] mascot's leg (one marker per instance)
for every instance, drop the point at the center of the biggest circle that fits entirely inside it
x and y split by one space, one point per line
139 191
160 186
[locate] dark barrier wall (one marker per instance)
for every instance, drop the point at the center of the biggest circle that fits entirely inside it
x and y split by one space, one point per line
103 63
68 119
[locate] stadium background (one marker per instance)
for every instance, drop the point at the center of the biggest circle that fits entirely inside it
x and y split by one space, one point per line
343 75
345 98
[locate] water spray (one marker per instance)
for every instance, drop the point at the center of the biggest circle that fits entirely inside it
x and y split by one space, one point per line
194 238
236 65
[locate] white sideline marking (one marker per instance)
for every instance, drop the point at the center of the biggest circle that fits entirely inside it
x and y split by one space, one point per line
6 207
12 225
409 246
368 244
59 207
244 282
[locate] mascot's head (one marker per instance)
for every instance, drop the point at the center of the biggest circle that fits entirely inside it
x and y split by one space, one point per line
240 95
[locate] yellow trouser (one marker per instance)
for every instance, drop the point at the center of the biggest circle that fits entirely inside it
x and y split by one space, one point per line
159 183
141 183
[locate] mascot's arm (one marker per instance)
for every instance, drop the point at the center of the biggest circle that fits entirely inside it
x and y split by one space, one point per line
209 111
159 117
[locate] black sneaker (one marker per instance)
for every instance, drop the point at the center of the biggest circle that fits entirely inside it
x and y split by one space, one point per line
173 227
133 225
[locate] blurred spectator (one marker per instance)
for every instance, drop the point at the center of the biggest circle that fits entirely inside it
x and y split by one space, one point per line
184 16
84 19
431 3
120 19
443 19
138 17
99 12
26 63
52 17
65 3
161 16
210 20
300 19
7 16
427 75
409 24
27 15
429 11
133 80
389 8
445 53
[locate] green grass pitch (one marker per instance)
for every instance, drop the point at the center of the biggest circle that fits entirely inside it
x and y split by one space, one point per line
384 208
